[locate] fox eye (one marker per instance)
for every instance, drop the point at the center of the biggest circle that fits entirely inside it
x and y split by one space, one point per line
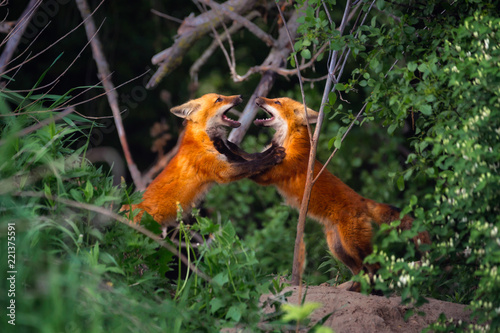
277 102
218 100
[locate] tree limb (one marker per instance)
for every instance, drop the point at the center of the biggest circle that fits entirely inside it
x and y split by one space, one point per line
189 33
276 58
296 269
14 36
112 95
240 19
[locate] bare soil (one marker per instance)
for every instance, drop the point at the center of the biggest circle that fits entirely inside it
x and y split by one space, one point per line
357 313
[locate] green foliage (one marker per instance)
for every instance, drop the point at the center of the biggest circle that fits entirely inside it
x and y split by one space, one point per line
432 71
79 271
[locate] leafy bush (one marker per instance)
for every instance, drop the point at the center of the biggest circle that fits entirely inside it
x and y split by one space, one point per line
431 70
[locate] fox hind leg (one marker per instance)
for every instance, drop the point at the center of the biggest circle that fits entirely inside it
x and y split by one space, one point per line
351 253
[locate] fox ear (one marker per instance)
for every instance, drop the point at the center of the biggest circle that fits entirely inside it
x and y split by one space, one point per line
185 110
312 116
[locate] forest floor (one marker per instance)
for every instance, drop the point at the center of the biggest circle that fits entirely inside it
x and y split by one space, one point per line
357 313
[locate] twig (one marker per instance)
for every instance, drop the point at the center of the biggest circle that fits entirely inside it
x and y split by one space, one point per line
195 68
296 269
52 84
111 93
297 70
51 45
168 17
246 23
275 59
14 37
230 62
341 140
121 219
348 130
171 57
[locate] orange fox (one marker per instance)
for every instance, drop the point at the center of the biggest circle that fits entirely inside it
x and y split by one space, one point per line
198 165
347 217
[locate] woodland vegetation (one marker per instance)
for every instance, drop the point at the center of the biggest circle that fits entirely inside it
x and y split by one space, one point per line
408 93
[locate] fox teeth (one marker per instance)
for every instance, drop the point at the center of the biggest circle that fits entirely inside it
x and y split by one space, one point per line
227 118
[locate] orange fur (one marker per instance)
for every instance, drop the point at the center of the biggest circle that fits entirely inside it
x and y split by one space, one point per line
347 217
197 164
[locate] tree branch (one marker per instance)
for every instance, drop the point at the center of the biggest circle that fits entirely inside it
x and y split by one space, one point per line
296 269
195 68
191 31
276 58
112 95
240 19
14 37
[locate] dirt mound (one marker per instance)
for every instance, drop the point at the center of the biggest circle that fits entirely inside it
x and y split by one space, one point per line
354 312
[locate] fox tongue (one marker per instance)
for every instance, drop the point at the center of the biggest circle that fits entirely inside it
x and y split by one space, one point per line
230 122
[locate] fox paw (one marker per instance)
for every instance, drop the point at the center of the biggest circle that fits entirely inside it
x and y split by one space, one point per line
278 154
219 145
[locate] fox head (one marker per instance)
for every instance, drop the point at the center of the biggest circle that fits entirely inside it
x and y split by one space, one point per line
286 116
209 112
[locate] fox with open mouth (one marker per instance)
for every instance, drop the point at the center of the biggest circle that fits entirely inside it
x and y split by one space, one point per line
198 164
346 216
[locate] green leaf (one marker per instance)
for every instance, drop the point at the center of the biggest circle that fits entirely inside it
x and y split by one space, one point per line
412 66
234 313
216 304
221 278
338 142
306 54
401 183
341 86
330 143
380 4
391 128
332 98
426 109
299 312
89 191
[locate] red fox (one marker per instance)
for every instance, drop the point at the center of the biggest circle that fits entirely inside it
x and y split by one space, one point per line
347 217
197 164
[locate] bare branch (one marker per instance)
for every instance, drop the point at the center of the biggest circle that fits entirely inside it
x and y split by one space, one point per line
191 31
50 46
297 70
14 37
111 93
276 59
246 23
168 17
195 68
296 269
332 65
